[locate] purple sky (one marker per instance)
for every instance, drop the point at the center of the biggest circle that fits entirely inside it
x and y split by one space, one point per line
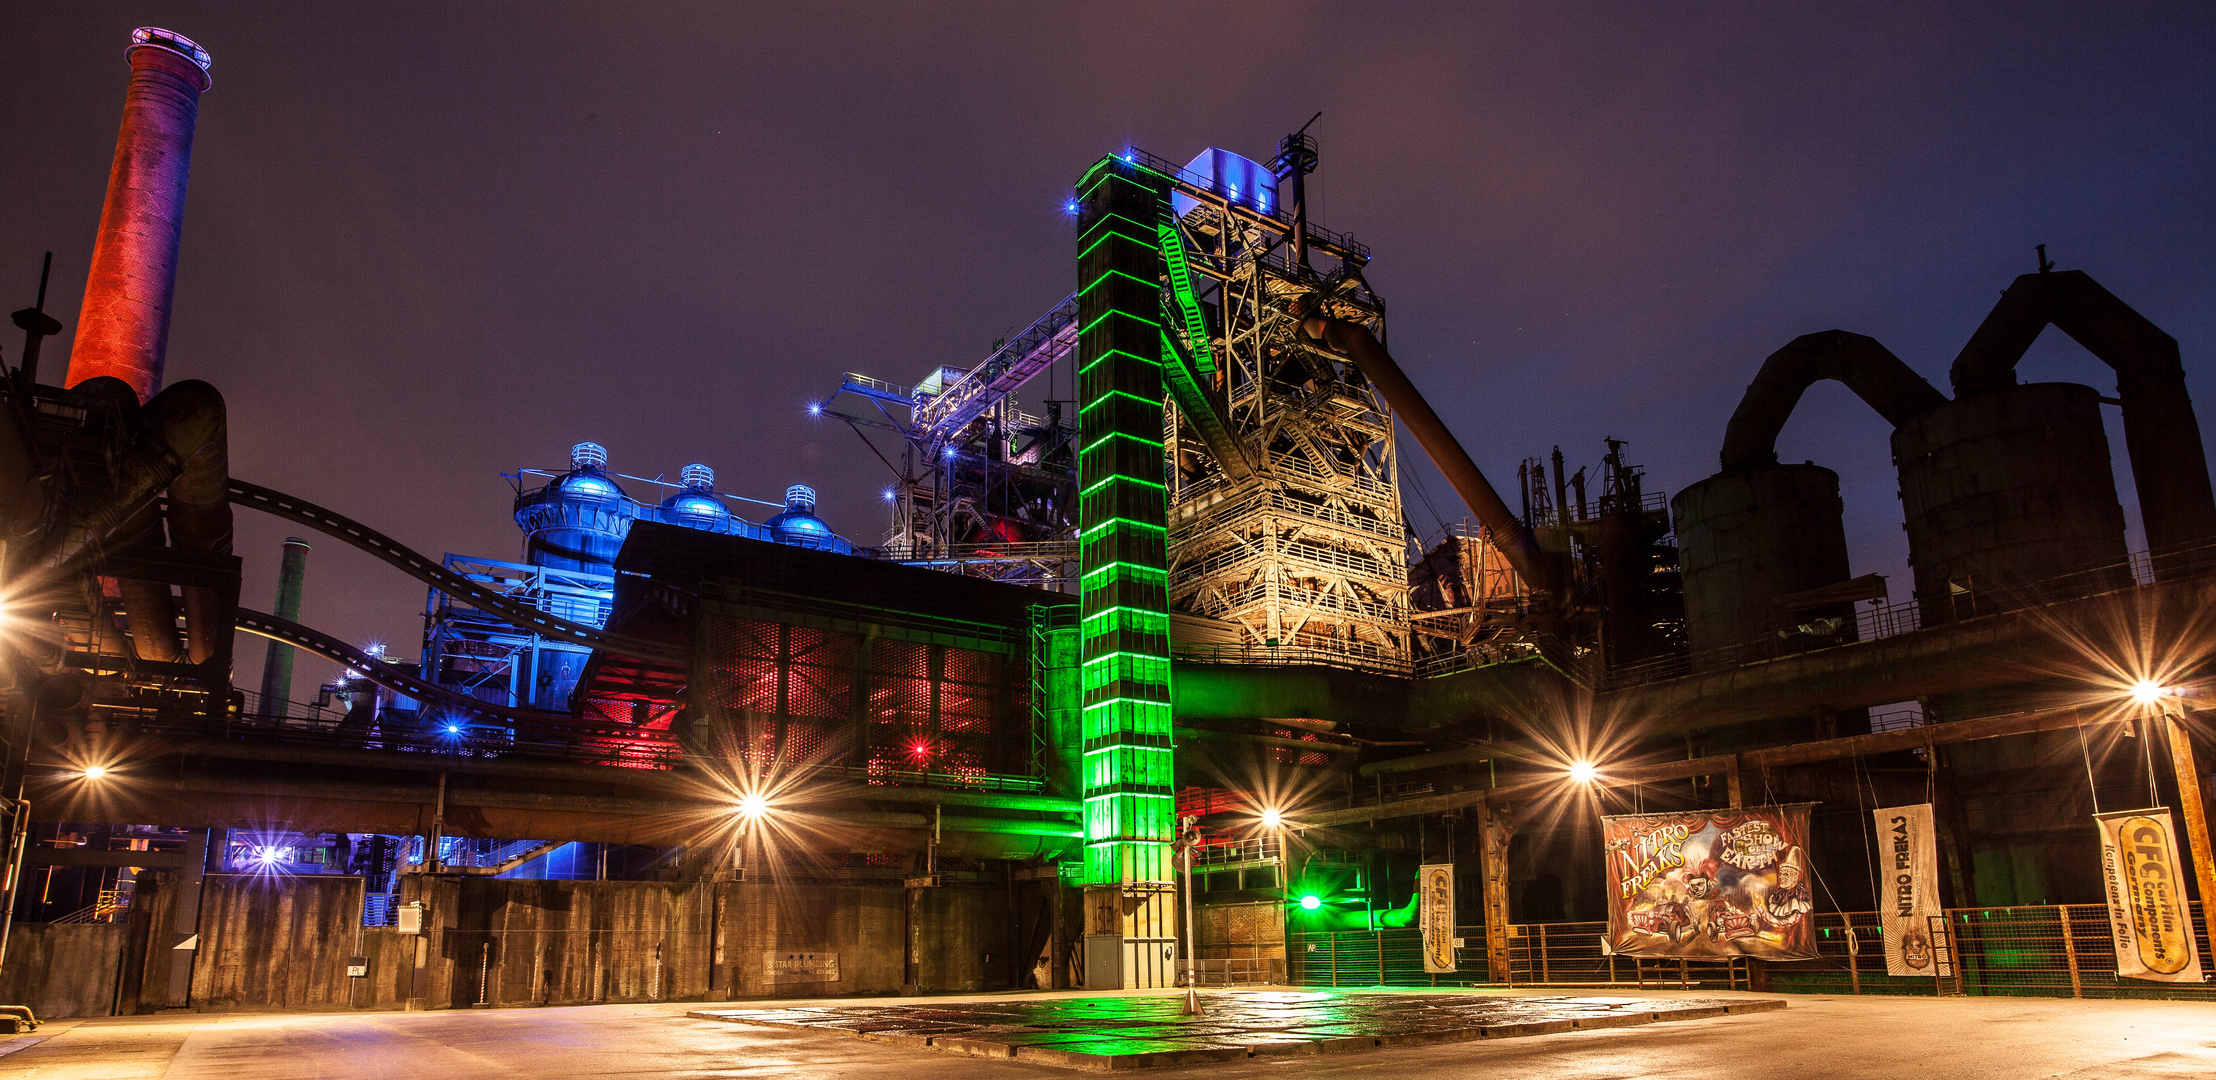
427 244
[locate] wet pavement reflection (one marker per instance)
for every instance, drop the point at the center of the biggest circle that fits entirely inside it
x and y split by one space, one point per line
1123 1032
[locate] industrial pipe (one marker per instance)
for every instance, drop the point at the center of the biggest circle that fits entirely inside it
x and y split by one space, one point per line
178 441
277 666
1864 366
392 678
1276 741
2168 463
445 797
1469 755
675 783
190 419
23 502
1516 541
123 328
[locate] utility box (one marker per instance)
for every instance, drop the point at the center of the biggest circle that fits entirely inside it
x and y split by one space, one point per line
410 917
1104 961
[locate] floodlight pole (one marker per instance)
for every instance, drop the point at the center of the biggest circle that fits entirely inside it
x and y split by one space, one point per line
1190 835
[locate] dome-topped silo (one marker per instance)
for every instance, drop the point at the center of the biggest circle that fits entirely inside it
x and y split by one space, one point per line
579 519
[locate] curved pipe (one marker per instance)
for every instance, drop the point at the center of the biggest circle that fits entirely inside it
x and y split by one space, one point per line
1864 366
399 682
2168 463
1516 541
301 511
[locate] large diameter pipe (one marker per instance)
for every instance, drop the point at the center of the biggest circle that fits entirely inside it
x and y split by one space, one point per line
23 501
2169 464
123 328
178 441
1858 362
277 668
1515 540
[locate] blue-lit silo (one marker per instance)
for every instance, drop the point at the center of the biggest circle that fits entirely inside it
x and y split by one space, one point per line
695 505
800 527
578 521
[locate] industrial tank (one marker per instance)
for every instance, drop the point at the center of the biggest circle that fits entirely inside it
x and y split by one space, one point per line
800 527
1750 536
578 521
2010 499
695 505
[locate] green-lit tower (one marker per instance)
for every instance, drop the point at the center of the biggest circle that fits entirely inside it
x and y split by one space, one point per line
1123 552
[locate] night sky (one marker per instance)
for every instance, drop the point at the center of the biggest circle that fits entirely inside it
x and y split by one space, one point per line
429 244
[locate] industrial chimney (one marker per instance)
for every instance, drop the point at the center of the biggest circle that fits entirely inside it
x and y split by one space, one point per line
292 574
123 329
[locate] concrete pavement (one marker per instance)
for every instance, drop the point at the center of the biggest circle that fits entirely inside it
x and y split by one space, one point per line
1816 1039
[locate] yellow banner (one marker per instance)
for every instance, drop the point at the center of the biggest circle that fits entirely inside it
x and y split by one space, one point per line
2147 912
1435 882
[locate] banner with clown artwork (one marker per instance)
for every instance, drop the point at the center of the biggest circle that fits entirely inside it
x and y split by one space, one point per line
1710 884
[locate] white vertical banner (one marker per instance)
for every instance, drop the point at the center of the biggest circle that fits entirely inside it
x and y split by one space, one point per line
1435 884
2147 912
1908 886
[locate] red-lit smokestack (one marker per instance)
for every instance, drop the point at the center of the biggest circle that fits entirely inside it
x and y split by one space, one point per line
123 329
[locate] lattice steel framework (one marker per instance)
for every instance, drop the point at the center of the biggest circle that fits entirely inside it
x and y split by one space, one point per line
1311 550
1285 519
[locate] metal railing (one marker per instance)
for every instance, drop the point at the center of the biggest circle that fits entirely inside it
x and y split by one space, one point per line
1972 600
112 905
1248 850
1871 622
1356 655
1198 185
1238 971
2029 951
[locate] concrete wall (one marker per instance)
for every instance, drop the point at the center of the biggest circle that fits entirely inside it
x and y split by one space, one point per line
864 923
573 942
284 943
63 969
967 931
274 942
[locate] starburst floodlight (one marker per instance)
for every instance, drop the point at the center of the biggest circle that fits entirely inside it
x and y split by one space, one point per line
1583 772
2148 692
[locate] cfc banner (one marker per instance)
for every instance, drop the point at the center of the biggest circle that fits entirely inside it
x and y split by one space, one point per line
1436 883
1908 886
2146 897
1710 884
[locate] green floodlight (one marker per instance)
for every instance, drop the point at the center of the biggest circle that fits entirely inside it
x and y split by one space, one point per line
1311 902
